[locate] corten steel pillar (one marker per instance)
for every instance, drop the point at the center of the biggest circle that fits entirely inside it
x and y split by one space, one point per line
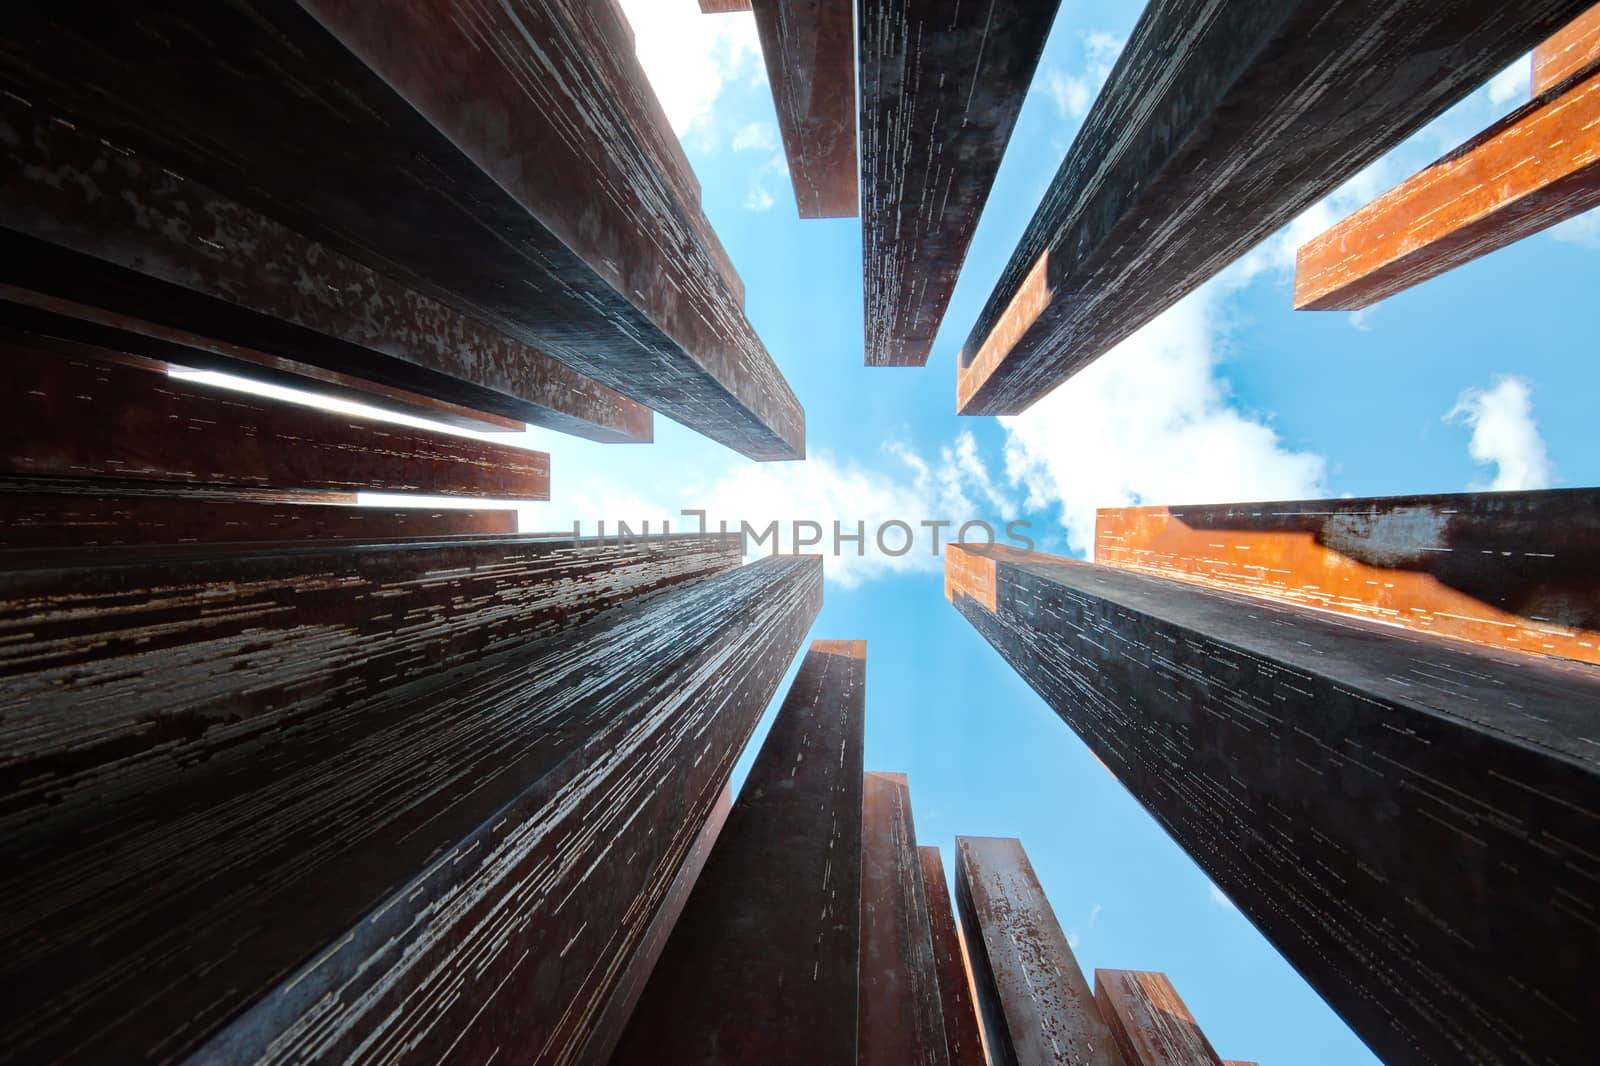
941 84
505 160
1413 822
467 864
809 48
1037 1007
1149 1021
901 1013
1222 121
1574 48
1519 571
955 989
762 966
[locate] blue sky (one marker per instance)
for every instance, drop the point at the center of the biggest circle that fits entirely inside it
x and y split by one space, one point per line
1484 377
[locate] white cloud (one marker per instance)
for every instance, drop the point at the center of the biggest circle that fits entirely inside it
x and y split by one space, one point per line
689 57
1151 423
1505 435
1074 94
756 137
1220 899
1513 84
1584 231
760 196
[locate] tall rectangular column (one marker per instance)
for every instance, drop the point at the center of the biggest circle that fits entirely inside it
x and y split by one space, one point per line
1566 53
955 990
1413 822
1151 1023
1037 1006
809 47
941 84
1222 121
762 966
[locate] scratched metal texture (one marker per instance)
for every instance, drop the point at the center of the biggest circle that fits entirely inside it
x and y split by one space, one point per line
1413 822
1036 1006
1151 1023
809 47
901 1018
32 522
1575 47
495 156
461 866
762 966
118 663
1519 571
1538 166
88 414
91 222
955 990
941 84
1222 121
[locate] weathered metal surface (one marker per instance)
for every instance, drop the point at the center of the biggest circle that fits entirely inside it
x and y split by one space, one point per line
608 1028
118 661
35 521
955 989
1222 121
77 414
1149 1020
718 7
810 47
460 867
1538 166
901 1014
1414 823
91 223
762 967
941 84
496 156
1566 53
1036 1006
1513 570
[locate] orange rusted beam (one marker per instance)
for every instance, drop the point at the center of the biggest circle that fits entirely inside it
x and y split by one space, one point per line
1568 52
717 7
1513 570
1538 166
1149 1021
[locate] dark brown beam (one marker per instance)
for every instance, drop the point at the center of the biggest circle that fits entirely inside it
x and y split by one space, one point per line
126 657
941 84
1574 48
1222 121
955 989
1413 822
36 521
1538 166
809 47
457 866
133 256
503 163
77 414
1036 1005
762 967
901 1016
1150 1022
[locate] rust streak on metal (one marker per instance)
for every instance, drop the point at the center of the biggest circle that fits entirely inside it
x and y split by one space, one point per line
1568 52
1516 571
1150 1022
1538 166
810 51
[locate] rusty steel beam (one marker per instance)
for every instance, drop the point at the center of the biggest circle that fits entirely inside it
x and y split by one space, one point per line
104 245
809 48
87 414
1538 166
1518 571
1222 121
1149 1020
941 85
762 966
718 7
33 521
1036 1005
118 660
901 1012
955 988
507 160
1414 823
1573 49
462 866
